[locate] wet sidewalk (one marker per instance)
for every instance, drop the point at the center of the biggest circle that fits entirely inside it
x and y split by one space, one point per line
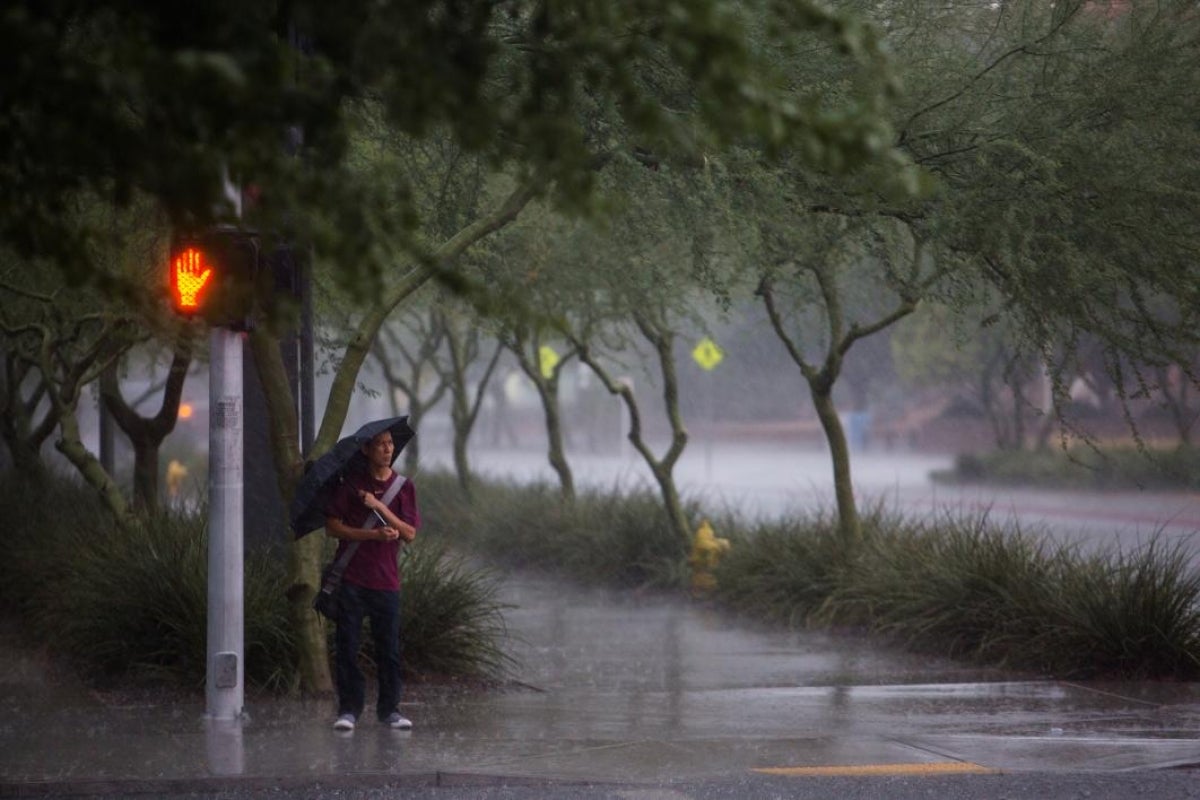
614 688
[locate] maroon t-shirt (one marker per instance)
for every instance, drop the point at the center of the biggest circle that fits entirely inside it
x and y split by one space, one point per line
374 563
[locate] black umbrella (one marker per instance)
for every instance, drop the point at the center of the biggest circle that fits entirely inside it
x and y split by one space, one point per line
327 472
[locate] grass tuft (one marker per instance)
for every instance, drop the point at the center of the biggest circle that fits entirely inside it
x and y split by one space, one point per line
603 537
451 620
966 588
1134 614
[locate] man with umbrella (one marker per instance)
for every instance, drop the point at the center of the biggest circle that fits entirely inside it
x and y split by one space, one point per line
368 513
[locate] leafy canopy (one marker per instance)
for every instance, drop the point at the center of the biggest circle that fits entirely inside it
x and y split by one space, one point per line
171 98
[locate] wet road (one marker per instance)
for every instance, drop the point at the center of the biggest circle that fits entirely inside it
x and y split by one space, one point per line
698 693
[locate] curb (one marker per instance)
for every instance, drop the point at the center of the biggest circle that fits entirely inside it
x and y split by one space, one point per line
123 787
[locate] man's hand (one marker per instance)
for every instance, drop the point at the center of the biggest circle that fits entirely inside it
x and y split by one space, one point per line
388 533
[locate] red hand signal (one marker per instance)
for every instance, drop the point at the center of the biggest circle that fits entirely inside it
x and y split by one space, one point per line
190 278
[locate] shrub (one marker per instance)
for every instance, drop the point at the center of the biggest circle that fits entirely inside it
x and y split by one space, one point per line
966 588
959 587
1080 467
604 537
131 603
782 571
451 619
1134 614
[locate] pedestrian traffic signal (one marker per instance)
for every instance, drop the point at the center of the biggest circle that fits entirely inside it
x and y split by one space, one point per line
212 275
190 275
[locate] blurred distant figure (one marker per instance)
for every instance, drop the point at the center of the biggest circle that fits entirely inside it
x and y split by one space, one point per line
176 474
501 428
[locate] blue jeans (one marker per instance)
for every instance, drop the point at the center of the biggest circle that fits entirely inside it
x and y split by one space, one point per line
382 609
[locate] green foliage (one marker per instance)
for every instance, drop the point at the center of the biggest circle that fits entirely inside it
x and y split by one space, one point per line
782 571
926 356
959 587
1134 614
1080 467
130 604
119 99
451 622
966 588
604 537
1065 147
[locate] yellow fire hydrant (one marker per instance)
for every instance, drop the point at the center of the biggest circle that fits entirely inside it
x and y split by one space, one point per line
707 549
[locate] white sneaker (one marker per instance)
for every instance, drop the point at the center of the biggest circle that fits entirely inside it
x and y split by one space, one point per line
398 722
344 723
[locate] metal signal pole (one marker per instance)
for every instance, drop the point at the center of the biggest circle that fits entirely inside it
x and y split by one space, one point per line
225 674
224 692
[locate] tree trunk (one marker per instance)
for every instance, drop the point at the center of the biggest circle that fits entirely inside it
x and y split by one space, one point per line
987 399
145 475
464 409
849 524
305 558
23 435
418 403
146 434
1177 403
305 555
554 433
462 466
1018 412
26 456
71 445
416 412
662 468
669 491
527 354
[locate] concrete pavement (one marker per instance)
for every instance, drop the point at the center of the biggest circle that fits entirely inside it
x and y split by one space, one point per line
614 688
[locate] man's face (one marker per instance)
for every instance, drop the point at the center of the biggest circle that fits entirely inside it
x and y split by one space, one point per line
379 450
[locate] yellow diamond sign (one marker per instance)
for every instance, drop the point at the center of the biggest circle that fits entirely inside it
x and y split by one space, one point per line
547 360
707 354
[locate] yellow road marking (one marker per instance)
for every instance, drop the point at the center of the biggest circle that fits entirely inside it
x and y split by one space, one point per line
935 768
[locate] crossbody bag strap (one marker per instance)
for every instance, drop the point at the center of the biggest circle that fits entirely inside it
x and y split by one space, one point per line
339 566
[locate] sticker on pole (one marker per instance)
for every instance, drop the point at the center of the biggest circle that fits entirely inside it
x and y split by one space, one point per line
707 354
547 361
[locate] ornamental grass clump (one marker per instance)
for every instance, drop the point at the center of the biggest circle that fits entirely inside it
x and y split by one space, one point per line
967 588
601 537
1134 614
130 602
137 605
959 587
451 620
782 571
1081 467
